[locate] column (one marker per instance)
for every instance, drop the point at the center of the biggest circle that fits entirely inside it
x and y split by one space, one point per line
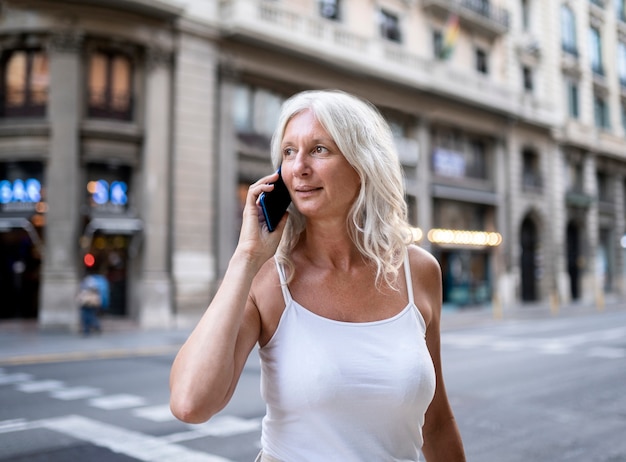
60 269
154 300
424 193
589 278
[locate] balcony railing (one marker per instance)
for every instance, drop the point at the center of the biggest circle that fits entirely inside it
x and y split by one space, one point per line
480 15
276 25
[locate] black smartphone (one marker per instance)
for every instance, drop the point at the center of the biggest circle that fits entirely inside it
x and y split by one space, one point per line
274 203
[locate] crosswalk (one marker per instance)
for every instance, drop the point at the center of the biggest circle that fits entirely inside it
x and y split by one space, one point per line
134 444
608 343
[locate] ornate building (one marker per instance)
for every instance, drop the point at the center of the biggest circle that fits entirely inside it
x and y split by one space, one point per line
130 129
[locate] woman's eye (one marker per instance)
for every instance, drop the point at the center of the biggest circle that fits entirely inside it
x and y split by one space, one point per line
320 151
288 152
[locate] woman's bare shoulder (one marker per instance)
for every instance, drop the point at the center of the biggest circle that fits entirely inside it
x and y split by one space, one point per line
422 260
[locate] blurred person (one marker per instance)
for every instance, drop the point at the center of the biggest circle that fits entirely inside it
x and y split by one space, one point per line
93 297
345 310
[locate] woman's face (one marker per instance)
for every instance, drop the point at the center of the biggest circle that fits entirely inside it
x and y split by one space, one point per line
320 180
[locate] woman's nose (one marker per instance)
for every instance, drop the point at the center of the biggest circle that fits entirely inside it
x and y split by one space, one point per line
301 164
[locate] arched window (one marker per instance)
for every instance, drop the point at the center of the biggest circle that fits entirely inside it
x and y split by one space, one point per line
25 79
110 85
568 30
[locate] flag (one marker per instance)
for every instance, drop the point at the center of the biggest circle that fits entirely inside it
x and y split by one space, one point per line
450 36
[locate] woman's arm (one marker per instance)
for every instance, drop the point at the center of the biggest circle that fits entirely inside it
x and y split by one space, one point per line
442 439
207 368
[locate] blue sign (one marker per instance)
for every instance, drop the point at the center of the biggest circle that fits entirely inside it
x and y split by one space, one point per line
24 191
104 193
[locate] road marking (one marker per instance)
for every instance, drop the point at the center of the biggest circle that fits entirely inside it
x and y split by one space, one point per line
69 394
14 378
121 440
220 426
39 386
121 401
607 352
155 413
565 344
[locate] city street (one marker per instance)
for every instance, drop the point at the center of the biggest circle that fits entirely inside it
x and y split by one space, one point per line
547 389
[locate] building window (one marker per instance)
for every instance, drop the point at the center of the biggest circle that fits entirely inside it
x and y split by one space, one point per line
621 63
572 99
624 117
620 10
329 9
438 50
525 4
390 26
25 80
110 86
527 76
601 112
604 183
255 114
595 50
531 172
568 31
481 61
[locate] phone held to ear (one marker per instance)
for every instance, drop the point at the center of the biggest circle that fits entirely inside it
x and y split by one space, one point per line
274 203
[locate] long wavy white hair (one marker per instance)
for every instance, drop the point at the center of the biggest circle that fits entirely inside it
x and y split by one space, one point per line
377 222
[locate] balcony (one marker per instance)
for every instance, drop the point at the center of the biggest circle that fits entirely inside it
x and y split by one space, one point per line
477 15
275 26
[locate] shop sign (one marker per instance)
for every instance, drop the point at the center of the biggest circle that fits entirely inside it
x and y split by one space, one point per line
108 197
448 163
20 195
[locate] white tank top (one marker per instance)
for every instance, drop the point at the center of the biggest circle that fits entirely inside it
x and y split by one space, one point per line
342 391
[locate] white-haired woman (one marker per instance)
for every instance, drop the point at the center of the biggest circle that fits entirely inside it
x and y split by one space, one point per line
345 310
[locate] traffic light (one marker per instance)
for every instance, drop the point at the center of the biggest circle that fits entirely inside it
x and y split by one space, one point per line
89 260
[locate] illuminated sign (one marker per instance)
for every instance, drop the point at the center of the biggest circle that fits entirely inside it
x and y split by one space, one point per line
19 194
464 238
112 197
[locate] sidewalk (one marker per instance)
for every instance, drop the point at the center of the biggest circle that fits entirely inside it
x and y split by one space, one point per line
22 342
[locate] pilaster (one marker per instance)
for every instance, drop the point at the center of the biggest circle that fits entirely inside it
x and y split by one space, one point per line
155 296
60 271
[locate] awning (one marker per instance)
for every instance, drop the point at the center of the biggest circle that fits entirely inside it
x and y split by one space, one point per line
116 225
465 194
9 223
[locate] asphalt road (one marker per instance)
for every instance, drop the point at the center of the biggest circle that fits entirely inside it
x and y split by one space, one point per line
533 390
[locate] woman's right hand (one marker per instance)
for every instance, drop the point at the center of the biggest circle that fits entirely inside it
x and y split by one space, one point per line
255 240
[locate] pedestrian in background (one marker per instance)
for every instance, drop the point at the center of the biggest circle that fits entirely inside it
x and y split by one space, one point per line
345 310
93 297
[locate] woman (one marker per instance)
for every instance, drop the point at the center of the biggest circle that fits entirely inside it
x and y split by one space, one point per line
345 311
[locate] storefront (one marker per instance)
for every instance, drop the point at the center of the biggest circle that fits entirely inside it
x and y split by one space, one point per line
111 233
22 218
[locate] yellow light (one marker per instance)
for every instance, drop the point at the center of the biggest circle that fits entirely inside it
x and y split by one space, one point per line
91 187
416 234
464 237
41 207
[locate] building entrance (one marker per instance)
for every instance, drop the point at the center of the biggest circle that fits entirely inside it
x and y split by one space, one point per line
108 255
20 269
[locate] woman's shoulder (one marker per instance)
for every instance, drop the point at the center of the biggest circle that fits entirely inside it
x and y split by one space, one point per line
422 260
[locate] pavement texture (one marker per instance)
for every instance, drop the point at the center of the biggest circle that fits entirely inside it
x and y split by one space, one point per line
23 342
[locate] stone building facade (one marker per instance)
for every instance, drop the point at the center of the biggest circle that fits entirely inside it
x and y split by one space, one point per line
131 129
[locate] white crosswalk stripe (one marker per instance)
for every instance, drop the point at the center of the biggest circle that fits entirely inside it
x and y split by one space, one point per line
8 379
121 440
587 343
121 401
155 413
74 393
40 386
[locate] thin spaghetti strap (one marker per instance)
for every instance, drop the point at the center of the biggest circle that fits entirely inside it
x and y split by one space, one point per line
283 282
409 281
